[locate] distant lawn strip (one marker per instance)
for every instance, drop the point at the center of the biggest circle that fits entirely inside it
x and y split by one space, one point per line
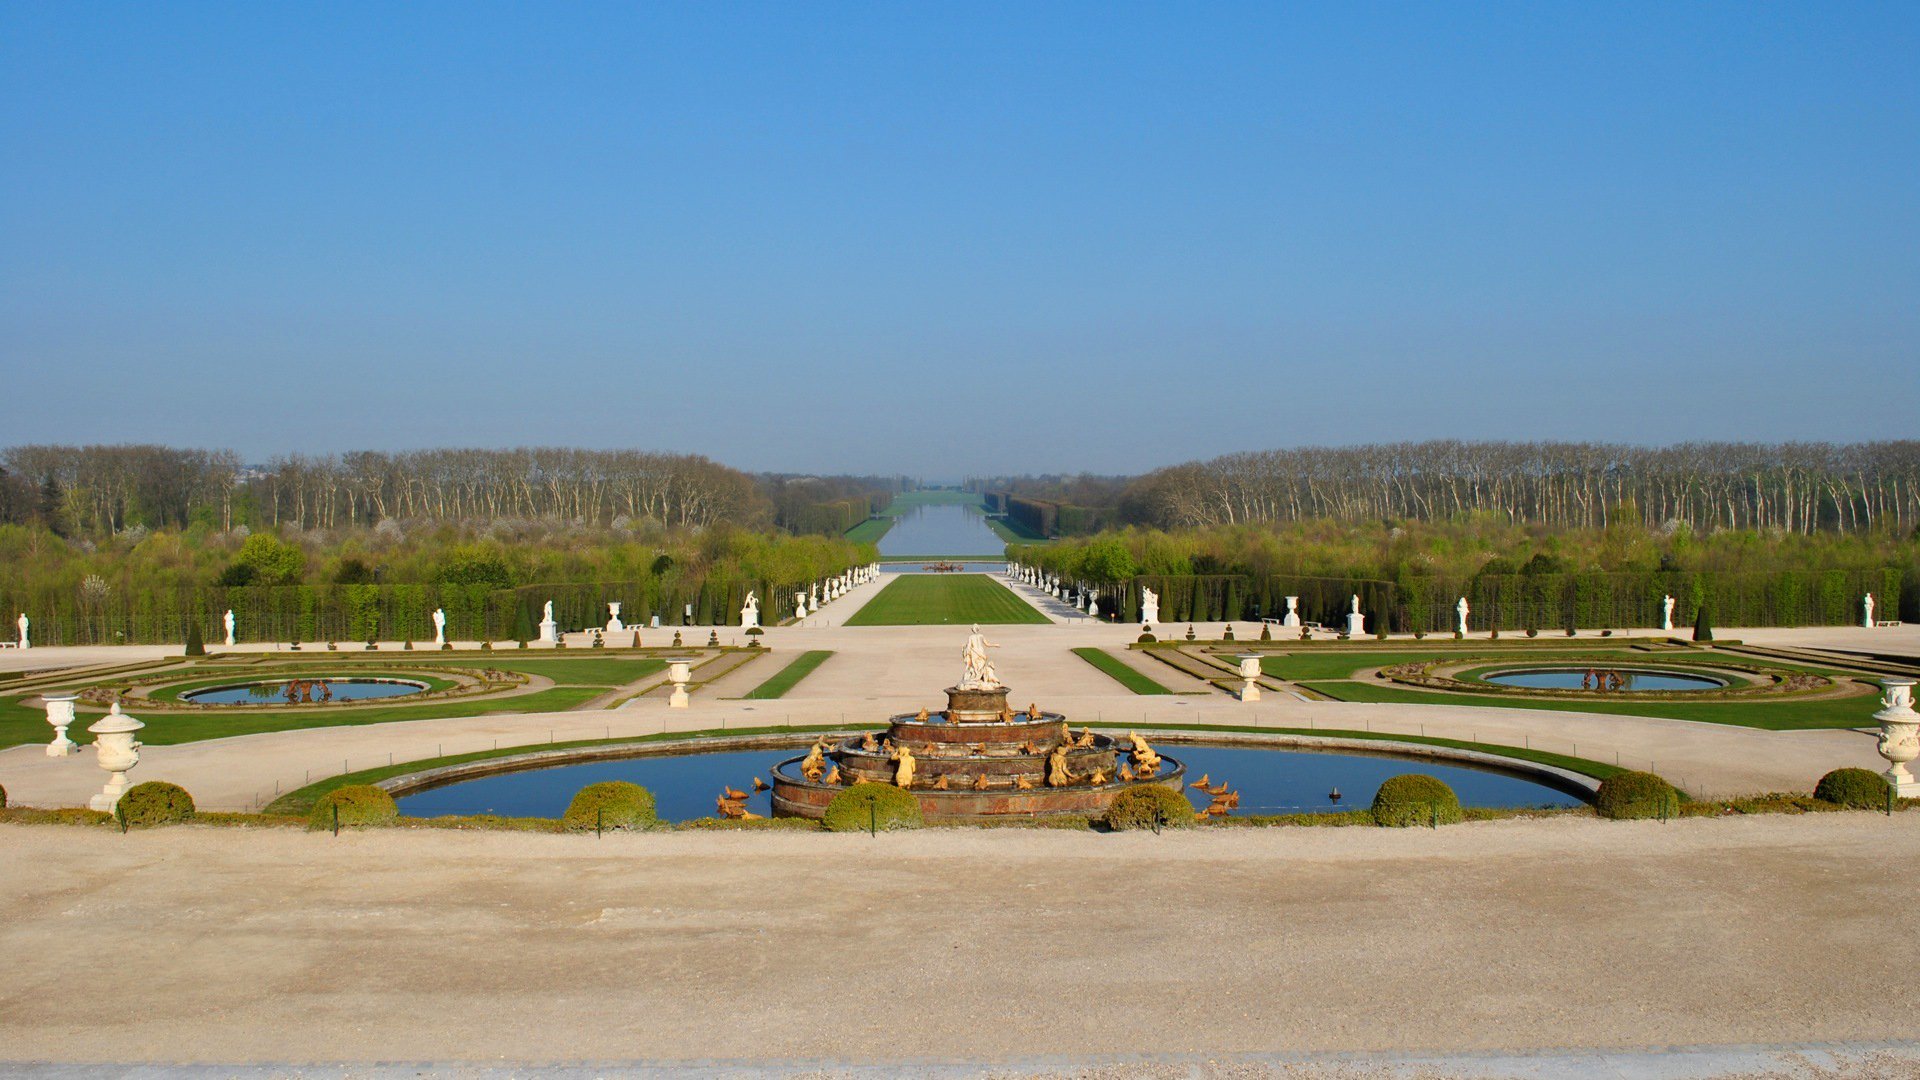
870 531
788 677
1338 665
945 599
1121 673
1792 715
1015 533
907 500
301 800
22 724
584 671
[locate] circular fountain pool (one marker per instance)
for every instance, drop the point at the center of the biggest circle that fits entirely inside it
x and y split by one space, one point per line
1271 781
275 692
1636 679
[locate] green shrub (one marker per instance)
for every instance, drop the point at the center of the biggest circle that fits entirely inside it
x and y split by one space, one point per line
872 805
1857 789
1149 806
611 804
1628 796
1415 799
1702 625
153 803
196 645
358 805
1146 639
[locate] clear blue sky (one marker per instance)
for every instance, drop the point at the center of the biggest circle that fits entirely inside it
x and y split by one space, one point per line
956 238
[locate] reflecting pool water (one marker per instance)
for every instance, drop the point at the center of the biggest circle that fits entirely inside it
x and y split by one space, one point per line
1584 679
948 529
1269 782
260 693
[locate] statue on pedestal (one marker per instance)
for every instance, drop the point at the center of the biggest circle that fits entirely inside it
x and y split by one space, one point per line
439 626
228 619
1292 618
25 643
1868 605
979 674
1149 606
750 611
1666 613
1461 609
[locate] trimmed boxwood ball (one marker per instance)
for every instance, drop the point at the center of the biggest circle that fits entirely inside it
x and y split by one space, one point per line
1629 796
612 804
1858 789
1149 806
360 804
155 802
878 805
1415 799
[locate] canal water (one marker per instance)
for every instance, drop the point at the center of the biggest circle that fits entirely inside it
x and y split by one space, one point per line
942 529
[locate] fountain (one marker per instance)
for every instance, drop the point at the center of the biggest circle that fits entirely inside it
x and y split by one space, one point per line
977 759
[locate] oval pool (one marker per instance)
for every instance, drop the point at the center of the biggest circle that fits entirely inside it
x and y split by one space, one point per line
305 690
1579 679
1270 781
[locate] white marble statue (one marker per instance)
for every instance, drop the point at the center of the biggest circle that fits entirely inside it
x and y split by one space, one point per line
979 674
1666 613
1867 621
1356 622
1093 604
1149 606
750 611
228 620
439 626
25 642
549 630
1461 610
614 625
800 606
1292 618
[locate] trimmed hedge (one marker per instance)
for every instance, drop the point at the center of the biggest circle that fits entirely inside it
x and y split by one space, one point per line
1630 796
155 802
359 805
1149 806
872 805
1856 789
1415 799
611 804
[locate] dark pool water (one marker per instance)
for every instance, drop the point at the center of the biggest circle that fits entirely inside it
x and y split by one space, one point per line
266 692
1269 782
1570 679
950 529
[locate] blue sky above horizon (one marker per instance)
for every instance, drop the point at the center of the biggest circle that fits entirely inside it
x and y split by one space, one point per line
956 239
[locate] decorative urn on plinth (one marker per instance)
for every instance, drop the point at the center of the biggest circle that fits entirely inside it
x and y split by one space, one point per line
679 672
119 752
1899 735
60 715
1250 672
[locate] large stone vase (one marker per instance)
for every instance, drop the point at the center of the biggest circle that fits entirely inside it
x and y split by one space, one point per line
1899 735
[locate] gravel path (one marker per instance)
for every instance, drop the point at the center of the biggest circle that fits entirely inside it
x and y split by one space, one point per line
954 945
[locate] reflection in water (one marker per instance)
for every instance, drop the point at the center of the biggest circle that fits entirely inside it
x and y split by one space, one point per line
1270 781
942 530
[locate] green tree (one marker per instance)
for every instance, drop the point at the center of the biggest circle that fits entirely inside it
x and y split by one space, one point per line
265 559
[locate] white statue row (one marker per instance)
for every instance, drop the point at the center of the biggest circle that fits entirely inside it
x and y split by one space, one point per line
1084 598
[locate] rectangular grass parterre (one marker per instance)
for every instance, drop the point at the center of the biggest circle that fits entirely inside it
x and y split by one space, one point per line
1121 673
945 599
788 677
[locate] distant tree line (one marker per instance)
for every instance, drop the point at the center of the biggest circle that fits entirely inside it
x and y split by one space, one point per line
1795 487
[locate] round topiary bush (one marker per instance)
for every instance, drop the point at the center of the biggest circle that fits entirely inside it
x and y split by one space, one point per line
611 804
358 805
1857 789
154 803
1149 806
1415 799
865 806
1629 796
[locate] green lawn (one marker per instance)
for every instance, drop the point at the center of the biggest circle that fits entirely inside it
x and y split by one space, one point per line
944 599
164 729
1121 673
571 671
1770 715
870 531
907 500
788 677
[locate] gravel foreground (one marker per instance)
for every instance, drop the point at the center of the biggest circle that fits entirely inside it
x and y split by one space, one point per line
1776 946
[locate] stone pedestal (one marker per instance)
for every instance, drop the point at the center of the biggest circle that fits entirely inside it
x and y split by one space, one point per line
60 715
679 672
549 631
1356 625
1292 617
113 741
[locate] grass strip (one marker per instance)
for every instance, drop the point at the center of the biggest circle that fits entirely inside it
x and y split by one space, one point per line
1789 715
788 677
1121 673
945 599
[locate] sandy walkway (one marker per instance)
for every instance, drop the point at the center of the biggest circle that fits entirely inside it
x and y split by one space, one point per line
955 944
